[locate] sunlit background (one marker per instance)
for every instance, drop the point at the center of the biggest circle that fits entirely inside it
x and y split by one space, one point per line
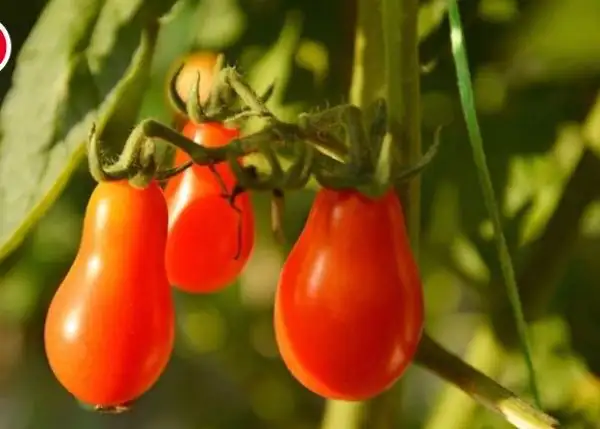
536 74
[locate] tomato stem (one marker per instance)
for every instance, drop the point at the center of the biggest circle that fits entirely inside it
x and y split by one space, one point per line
483 389
94 154
362 153
115 120
343 414
217 91
147 166
194 105
410 172
228 88
173 97
172 172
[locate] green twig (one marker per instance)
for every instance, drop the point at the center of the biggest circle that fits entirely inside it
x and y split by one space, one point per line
468 103
481 388
454 409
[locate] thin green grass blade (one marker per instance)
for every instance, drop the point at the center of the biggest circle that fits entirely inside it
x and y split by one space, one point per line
468 106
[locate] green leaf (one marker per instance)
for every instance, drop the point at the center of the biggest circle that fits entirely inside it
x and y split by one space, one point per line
468 106
218 23
277 64
71 69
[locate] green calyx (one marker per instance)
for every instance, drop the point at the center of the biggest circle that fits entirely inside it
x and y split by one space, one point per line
336 146
137 162
230 99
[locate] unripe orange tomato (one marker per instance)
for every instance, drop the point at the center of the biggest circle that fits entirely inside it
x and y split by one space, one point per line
349 303
209 243
109 330
202 62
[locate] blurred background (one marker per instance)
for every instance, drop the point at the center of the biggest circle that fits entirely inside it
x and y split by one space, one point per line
536 74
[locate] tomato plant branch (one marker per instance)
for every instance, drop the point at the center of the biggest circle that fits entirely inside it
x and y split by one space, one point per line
454 409
334 145
481 388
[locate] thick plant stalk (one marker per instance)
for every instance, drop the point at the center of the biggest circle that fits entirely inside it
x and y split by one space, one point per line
368 80
367 70
367 85
399 22
402 93
343 414
401 90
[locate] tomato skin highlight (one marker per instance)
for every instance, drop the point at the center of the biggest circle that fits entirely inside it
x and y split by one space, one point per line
110 327
204 237
349 303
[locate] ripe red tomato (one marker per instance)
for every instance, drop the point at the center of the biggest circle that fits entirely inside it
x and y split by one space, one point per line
349 304
205 232
110 327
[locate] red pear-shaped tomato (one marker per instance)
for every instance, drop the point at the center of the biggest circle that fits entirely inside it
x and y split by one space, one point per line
349 304
209 242
110 327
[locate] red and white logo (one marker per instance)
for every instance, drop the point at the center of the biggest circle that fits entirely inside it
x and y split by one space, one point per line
5 47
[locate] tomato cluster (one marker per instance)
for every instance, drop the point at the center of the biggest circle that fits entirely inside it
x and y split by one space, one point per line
348 309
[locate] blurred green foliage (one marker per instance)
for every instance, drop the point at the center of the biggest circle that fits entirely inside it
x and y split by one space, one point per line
536 70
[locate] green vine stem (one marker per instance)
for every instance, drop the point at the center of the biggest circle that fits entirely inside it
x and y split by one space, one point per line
454 409
484 390
367 69
368 79
399 21
343 414
402 92
386 61
469 111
